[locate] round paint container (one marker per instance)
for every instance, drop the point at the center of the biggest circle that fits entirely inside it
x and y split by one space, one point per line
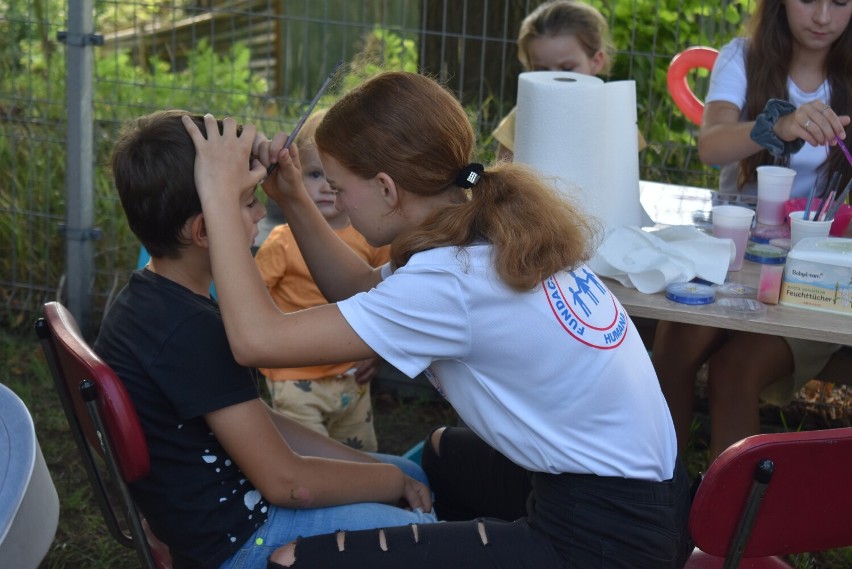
765 233
765 254
742 308
735 290
690 293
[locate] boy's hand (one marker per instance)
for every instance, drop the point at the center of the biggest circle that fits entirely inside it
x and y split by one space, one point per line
417 495
221 159
365 370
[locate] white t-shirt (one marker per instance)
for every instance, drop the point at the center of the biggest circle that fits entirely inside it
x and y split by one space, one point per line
556 378
728 83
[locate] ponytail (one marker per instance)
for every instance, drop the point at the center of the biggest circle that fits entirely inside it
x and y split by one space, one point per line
535 231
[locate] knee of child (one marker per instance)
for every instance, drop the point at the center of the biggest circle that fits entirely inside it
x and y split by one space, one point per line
721 368
435 440
725 381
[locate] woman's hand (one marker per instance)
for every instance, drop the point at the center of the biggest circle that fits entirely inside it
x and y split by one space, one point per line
816 123
221 159
286 178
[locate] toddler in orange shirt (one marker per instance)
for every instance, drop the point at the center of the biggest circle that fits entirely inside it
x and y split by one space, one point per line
333 399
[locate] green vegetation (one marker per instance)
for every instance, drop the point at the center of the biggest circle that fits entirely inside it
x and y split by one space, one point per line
32 138
129 82
647 35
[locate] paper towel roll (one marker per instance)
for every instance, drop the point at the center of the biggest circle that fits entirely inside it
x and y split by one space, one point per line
582 131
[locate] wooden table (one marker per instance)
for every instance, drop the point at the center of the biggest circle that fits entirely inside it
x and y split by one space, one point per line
673 205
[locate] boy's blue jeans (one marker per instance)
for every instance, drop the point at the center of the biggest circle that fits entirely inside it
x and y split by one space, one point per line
284 525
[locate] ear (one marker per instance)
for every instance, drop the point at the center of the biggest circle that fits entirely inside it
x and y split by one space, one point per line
389 189
598 61
197 230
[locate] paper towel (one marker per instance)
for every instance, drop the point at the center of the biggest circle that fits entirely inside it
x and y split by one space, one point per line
582 132
651 260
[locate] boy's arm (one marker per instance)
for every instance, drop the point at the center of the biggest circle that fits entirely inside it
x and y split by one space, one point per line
287 479
308 442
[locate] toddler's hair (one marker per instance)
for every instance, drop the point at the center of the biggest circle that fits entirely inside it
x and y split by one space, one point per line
305 138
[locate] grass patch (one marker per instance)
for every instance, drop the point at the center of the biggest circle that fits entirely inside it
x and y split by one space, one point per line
82 540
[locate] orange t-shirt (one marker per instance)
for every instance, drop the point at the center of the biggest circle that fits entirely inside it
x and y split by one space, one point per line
291 286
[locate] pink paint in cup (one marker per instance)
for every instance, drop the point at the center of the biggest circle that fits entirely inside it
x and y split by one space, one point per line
733 222
774 184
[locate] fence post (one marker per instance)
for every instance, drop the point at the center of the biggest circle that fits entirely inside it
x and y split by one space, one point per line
79 213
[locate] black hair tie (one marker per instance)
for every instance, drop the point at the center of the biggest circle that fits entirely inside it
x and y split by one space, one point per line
469 175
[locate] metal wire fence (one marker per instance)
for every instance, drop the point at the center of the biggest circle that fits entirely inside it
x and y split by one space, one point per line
71 72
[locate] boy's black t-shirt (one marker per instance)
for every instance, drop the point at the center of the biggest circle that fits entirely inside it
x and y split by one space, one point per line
169 347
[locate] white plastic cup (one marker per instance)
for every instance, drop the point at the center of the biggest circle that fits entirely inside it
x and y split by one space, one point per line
733 222
801 228
774 184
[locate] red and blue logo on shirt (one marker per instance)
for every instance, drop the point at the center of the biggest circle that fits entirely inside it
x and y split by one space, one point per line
586 309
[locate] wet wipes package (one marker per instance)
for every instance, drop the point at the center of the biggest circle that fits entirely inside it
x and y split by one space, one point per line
818 275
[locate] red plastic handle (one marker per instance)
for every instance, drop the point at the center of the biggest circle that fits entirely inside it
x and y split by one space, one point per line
684 62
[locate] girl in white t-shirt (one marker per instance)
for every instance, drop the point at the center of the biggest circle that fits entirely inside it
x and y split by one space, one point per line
779 95
486 294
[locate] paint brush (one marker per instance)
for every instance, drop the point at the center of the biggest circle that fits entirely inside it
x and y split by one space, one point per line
822 210
305 115
827 195
810 199
844 149
839 202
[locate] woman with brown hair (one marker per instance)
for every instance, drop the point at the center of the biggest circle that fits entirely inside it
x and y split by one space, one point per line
779 95
488 295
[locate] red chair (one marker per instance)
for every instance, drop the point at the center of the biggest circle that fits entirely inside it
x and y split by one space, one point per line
771 495
105 427
698 57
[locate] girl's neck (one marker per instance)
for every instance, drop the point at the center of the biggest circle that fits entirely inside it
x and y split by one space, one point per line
807 68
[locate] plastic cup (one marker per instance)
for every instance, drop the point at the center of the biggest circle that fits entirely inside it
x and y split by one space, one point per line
733 222
774 184
801 228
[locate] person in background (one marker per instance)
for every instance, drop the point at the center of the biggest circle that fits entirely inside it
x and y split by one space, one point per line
477 297
332 399
780 94
562 35
230 479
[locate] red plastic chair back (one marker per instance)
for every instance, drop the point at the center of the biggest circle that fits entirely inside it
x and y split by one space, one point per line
106 423
698 57
807 503
76 362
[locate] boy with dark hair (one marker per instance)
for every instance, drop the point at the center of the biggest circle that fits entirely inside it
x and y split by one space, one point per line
230 480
